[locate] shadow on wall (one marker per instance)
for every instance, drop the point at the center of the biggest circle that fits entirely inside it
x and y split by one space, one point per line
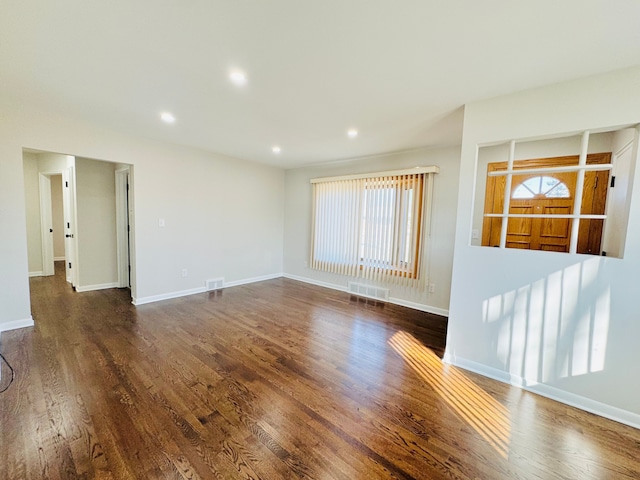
554 328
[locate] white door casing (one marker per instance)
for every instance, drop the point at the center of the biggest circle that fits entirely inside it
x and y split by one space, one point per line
71 240
123 227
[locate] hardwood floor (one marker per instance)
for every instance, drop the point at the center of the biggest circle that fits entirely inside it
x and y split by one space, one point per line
273 380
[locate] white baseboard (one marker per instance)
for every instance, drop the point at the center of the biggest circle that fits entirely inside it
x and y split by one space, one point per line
35 274
101 286
395 301
319 283
59 259
193 291
419 306
583 403
483 370
15 324
166 296
252 280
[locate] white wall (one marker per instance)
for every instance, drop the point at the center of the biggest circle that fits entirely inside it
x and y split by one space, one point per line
563 325
440 248
224 216
32 206
14 281
54 163
96 229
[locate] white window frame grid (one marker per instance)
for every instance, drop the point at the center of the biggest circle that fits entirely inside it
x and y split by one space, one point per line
581 168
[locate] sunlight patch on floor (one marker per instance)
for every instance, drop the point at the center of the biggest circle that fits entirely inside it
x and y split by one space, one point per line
488 417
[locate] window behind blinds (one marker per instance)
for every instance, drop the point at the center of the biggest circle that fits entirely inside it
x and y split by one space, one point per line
372 226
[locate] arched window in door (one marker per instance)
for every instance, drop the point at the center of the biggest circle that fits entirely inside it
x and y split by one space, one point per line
541 204
541 187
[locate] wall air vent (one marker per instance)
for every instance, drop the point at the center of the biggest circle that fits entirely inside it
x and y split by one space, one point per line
369 291
214 284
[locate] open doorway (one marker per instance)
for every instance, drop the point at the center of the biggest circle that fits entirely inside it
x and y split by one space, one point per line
46 203
57 218
79 210
51 221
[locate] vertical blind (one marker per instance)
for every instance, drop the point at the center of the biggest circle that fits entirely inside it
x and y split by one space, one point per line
372 226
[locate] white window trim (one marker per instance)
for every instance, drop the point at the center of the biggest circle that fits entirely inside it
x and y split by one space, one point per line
568 168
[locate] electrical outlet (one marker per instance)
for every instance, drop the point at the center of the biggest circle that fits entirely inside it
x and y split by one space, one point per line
184 272
161 222
475 234
432 288
306 263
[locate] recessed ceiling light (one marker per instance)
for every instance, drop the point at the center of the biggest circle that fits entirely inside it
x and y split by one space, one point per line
352 133
276 149
167 117
238 77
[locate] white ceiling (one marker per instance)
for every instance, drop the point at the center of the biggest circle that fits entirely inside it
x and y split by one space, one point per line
398 71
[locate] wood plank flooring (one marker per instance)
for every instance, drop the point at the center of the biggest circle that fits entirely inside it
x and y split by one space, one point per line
273 380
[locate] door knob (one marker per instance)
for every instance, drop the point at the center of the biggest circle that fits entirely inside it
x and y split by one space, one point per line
69 235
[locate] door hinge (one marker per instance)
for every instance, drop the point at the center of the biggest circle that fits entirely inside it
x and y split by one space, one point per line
69 264
66 184
68 225
613 181
127 187
604 254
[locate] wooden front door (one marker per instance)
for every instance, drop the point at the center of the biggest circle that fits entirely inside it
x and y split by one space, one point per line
549 193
